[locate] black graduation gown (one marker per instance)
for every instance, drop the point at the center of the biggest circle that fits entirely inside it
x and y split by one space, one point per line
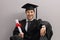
33 33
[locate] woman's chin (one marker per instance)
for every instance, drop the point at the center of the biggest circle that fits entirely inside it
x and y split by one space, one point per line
30 18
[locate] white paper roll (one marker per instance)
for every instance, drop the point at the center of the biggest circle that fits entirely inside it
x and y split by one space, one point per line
20 30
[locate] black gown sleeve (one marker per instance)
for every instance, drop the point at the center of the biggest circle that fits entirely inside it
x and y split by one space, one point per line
39 23
49 31
16 31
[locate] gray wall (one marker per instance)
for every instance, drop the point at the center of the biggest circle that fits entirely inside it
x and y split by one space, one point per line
10 10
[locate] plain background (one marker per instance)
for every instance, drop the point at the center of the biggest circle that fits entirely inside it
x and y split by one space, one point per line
10 10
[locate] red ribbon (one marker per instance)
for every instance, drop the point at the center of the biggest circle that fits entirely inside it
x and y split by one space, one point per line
18 25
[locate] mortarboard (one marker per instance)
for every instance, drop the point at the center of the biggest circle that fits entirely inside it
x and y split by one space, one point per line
29 6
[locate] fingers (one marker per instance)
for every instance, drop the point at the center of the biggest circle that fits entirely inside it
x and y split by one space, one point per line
43 30
21 35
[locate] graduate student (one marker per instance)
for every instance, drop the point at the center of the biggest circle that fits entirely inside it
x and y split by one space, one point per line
32 29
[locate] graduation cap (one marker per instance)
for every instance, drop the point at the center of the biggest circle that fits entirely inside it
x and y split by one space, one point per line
29 6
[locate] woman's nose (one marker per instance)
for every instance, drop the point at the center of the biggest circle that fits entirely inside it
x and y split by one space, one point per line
29 13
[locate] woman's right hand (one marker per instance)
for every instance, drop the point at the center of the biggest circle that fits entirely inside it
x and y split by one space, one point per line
21 35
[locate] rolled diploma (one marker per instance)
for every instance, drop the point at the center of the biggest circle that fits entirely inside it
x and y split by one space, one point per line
20 30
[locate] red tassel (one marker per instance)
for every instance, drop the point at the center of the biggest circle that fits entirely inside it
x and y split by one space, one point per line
18 25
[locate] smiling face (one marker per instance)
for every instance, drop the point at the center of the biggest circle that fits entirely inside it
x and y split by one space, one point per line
30 14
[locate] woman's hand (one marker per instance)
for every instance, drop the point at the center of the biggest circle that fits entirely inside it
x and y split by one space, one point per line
43 30
21 35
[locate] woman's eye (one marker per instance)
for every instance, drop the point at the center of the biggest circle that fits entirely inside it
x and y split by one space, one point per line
27 12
